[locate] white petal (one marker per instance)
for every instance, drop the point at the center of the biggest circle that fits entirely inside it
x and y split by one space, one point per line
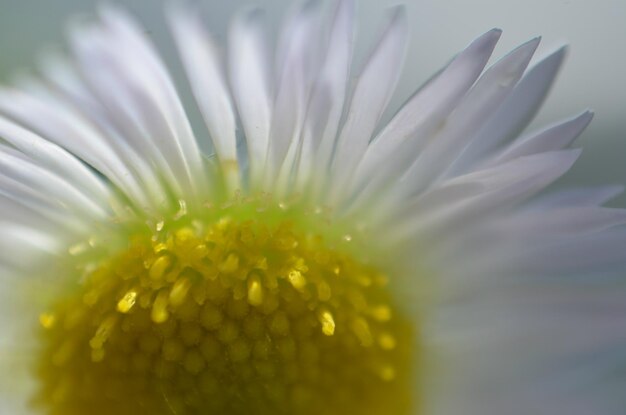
32 208
28 238
136 155
55 159
299 58
329 95
49 184
573 220
123 71
515 112
501 187
205 69
477 106
22 205
595 252
249 70
63 76
553 138
120 103
373 91
564 338
398 143
159 87
59 124
593 196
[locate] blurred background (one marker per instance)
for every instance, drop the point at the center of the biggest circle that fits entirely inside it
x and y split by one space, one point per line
592 77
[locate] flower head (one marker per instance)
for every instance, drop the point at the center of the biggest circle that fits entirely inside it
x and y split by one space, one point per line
317 259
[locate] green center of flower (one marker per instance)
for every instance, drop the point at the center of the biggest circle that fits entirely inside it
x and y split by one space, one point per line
239 314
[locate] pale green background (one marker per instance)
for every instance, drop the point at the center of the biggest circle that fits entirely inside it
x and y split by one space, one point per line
594 75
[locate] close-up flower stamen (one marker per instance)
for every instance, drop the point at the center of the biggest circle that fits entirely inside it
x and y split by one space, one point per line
238 312
297 250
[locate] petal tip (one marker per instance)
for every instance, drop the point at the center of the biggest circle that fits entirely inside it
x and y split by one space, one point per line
398 13
585 118
496 31
563 49
534 42
523 53
487 41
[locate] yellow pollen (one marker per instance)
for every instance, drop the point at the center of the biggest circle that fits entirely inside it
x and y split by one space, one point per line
328 322
255 291
159 267
179 291
103 333
387 373
127 302
47 320
230 264
297 280
237 313
387 341
159 225
381 313
160 314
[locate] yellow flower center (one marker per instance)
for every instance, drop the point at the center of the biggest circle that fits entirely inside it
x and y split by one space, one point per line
235 313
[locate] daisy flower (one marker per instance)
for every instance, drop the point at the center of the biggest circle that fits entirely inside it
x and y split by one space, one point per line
295 253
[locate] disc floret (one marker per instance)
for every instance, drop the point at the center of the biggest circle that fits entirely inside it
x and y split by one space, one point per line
246 307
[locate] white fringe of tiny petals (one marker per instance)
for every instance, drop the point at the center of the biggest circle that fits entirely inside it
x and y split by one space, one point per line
451 174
